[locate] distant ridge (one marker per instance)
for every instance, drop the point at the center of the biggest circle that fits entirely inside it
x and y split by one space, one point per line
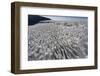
34 19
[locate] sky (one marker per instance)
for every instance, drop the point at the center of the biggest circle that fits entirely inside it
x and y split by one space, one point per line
67 18
34 19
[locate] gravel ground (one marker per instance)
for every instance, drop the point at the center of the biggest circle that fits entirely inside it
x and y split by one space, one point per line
53 40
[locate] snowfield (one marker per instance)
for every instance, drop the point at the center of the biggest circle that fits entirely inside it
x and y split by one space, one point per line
51 40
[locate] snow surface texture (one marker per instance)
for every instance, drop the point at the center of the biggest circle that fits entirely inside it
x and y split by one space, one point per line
51 40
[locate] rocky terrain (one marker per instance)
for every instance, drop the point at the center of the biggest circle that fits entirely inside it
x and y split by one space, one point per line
51 40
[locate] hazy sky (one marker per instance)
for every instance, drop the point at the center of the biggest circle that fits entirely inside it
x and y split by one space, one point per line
67 18
33 19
